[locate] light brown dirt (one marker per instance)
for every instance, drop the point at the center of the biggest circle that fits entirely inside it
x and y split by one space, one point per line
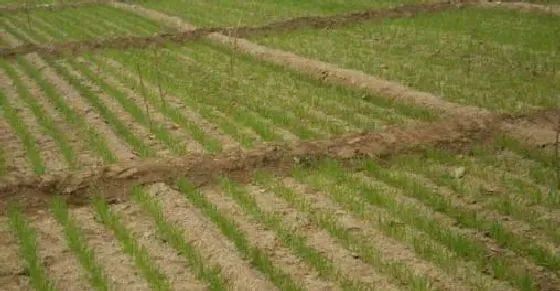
76 102
13 150
12 274
228 143
266 240
524 7
60 262
319 239
167 260
120 271
85 157
50 153
212 244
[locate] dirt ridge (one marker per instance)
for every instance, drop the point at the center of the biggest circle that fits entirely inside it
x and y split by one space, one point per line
116 180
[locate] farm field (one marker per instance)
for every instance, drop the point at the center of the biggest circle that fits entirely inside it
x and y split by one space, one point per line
493 58
192 164
43 26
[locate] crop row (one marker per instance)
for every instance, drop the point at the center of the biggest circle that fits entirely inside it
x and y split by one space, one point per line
388 219
248 101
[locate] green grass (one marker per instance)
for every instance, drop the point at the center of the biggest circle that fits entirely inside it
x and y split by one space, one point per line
456 242
493 58
174 113
258 259
22 132
91 136
156 280
176 239
131 106
297 243
110 117
27 239
68 24
78 245
43 118
231 13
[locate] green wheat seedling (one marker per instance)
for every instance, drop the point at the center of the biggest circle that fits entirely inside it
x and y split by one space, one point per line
176 239
10 29
258 258
43 118
28 251
469 218
78 245
456 242
190 93
355 242
22 132
342 188
298 244
91 136
112 220
502 202
113 121
142 117
175 114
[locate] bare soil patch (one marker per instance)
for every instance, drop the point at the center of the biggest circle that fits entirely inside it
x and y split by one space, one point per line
524 7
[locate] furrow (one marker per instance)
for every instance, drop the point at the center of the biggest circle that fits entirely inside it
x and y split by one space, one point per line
85 157
118 267
215 248
138 132
12 272
13 152
266 240
347 262
167 260
122 150
61 265
11 40
397 240
19 34
154 114
50 154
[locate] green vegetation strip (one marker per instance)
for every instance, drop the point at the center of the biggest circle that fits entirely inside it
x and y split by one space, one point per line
411 215
467 218
43 117
354 242
258 258
209 143
298 244
78 245
345 195
27 238
112 220
176 238
113 121
20 129
142 117
91 136
504 203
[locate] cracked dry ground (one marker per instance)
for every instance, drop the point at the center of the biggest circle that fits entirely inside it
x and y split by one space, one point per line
124 186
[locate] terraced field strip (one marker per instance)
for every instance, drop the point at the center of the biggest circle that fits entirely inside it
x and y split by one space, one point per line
481 63
12 6
69 25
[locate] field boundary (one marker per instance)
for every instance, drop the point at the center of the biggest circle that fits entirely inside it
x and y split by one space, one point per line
26 8
202 169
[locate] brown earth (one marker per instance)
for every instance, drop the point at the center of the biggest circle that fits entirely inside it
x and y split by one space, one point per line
116 180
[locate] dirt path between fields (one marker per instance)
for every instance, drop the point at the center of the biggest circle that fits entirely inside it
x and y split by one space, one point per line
116 180
525 7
